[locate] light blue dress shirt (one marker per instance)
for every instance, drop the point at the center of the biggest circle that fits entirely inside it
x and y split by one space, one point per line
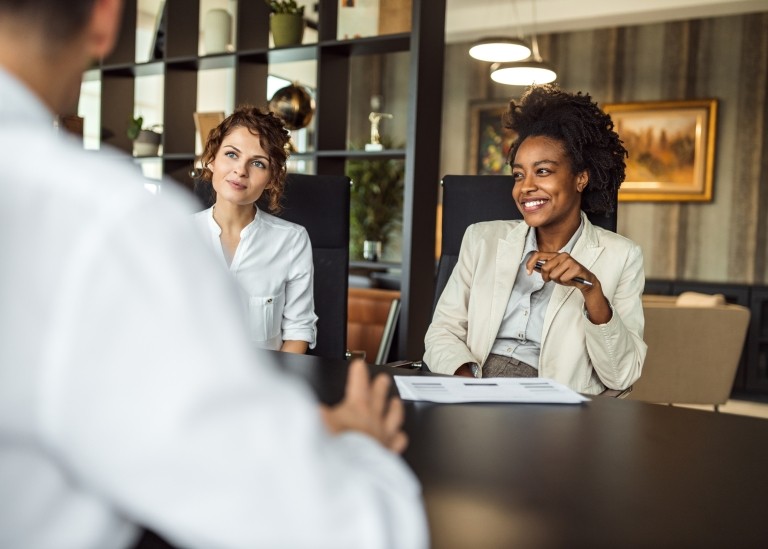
520 332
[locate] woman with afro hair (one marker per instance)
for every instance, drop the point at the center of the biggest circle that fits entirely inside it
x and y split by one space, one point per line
244 160
553 295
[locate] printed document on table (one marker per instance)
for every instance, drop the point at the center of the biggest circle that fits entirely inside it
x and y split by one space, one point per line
451 390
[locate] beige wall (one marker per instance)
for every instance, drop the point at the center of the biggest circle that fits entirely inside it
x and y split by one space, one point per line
725 58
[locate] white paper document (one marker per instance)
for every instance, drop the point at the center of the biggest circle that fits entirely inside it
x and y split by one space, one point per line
451 390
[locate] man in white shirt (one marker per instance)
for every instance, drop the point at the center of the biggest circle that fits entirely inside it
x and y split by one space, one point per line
128 398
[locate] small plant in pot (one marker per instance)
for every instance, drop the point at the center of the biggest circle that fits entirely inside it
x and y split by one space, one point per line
286 22
376 204
146 141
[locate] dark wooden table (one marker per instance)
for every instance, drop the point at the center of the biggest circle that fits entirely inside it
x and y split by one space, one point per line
608 473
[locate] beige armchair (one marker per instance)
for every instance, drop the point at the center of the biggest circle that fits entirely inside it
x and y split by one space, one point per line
694 345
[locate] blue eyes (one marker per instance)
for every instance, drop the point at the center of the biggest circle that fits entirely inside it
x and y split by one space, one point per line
255 163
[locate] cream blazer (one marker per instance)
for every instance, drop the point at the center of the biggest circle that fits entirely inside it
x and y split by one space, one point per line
586 357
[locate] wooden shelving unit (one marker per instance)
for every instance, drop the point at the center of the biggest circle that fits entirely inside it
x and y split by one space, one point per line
181 66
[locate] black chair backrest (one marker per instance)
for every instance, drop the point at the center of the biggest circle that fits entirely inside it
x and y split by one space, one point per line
469 199
319 203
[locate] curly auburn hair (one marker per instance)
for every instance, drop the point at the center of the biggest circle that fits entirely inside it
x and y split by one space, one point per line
273 138
585 132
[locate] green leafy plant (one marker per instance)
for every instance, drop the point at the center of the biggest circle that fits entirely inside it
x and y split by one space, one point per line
376 201
285 6
136 125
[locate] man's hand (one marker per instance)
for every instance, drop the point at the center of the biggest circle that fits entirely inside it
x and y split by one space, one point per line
367 408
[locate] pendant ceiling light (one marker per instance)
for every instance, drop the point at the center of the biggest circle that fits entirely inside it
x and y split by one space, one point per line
524 73
500 50
532 70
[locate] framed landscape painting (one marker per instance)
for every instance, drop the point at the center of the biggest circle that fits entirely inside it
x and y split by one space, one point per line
671 147
489 141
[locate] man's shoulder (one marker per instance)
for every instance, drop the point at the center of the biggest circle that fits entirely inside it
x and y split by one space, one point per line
95 183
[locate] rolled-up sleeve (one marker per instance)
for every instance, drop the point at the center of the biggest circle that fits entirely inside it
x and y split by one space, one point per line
299 320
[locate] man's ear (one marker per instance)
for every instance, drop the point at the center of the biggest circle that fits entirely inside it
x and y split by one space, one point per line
103 27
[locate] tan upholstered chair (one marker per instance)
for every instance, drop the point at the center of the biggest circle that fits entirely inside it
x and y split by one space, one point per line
371 318
694 345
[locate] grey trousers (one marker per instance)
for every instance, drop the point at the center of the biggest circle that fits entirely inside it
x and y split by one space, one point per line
504 366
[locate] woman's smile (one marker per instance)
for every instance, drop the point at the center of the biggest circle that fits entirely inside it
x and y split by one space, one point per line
531 205
546 190
236 184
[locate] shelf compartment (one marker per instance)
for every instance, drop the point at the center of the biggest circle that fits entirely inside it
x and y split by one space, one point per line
306 52
386 153
390 43
217 61
152 68
180 100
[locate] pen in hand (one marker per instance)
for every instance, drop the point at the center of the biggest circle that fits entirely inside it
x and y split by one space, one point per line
578 279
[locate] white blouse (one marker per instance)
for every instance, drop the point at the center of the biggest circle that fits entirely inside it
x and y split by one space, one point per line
274 270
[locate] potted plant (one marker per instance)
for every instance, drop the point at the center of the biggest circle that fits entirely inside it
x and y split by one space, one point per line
376 204
286 22
146 141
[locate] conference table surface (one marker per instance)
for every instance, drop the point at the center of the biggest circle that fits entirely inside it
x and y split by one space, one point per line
606 473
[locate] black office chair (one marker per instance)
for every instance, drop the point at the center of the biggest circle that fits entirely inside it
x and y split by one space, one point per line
320 203
469 199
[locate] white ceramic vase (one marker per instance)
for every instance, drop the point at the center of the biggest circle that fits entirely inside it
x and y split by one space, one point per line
372 250
217 31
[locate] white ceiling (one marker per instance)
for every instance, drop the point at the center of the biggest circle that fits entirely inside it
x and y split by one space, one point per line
468 20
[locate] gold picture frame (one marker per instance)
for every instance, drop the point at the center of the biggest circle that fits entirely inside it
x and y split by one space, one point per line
489 142
671 147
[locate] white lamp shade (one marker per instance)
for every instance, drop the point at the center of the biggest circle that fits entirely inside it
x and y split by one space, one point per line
525 73
500 50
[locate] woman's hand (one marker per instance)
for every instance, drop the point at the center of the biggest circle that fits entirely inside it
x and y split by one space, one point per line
368 408
563 269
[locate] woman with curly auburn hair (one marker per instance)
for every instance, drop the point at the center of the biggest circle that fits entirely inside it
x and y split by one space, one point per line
271 259
553 295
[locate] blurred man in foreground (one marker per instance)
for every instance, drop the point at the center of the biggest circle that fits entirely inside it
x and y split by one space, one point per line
130 399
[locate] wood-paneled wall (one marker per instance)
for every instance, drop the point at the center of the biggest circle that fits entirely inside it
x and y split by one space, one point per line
725 58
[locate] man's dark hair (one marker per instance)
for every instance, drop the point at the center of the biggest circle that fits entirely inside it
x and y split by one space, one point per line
62 20
585 132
